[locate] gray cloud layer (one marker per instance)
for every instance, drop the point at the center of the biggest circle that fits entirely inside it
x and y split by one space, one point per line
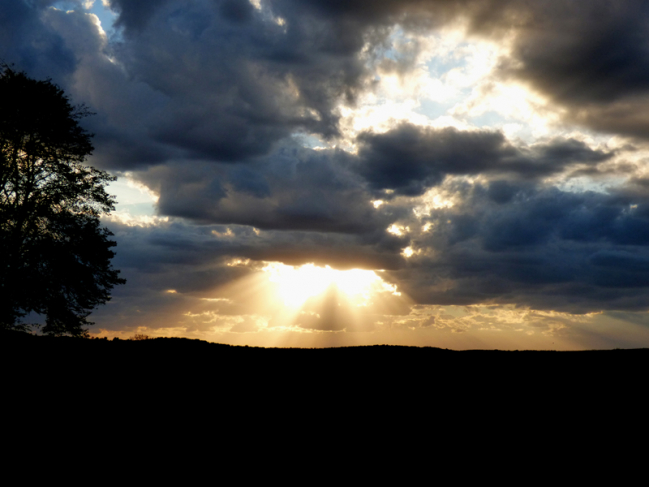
409 160
538 247
200 100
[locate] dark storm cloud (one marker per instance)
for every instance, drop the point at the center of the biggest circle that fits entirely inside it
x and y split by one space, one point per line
194 257
597 52
537 247
482 14
238 79
69 48
338 251
298 190
292 189
213 80
32 45
590 57
411 159
227 81
134 15
507 242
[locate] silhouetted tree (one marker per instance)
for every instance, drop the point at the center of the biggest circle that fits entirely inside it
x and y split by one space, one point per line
138 337
54 256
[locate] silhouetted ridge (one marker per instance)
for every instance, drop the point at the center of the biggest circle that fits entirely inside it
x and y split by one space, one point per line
171 369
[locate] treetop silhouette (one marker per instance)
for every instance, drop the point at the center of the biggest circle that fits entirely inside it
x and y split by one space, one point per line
54 256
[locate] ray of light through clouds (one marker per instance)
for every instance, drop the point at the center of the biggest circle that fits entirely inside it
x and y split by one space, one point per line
461 174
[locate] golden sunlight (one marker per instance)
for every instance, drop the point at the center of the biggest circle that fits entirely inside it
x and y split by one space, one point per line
297 284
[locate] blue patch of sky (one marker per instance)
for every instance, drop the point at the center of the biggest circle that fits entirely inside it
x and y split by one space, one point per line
307 140
584 183
440 65
437 67
391 52
65 5
433 109
136 209
105 15
131 200
489 119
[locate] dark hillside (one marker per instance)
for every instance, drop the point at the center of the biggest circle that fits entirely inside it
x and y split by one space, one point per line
163 375
165 358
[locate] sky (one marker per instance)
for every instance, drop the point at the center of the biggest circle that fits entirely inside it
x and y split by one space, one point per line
465 174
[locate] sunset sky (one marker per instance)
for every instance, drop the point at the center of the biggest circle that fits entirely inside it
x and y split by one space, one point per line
453 173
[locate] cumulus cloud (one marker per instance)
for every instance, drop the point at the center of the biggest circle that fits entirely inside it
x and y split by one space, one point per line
534 246
238 79
590 57
411 159
292 189
32 44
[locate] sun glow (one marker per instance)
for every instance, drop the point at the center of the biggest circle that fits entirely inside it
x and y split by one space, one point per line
295 285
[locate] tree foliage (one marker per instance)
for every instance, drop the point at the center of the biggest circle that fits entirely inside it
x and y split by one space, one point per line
54 256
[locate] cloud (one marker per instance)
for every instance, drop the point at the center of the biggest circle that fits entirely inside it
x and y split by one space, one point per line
208 80
505 242
32 44
589 58
237 80
230 112
294 188
410 159
533 246
134 15
215 272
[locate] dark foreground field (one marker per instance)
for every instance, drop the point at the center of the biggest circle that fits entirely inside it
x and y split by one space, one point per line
167 358
317 389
